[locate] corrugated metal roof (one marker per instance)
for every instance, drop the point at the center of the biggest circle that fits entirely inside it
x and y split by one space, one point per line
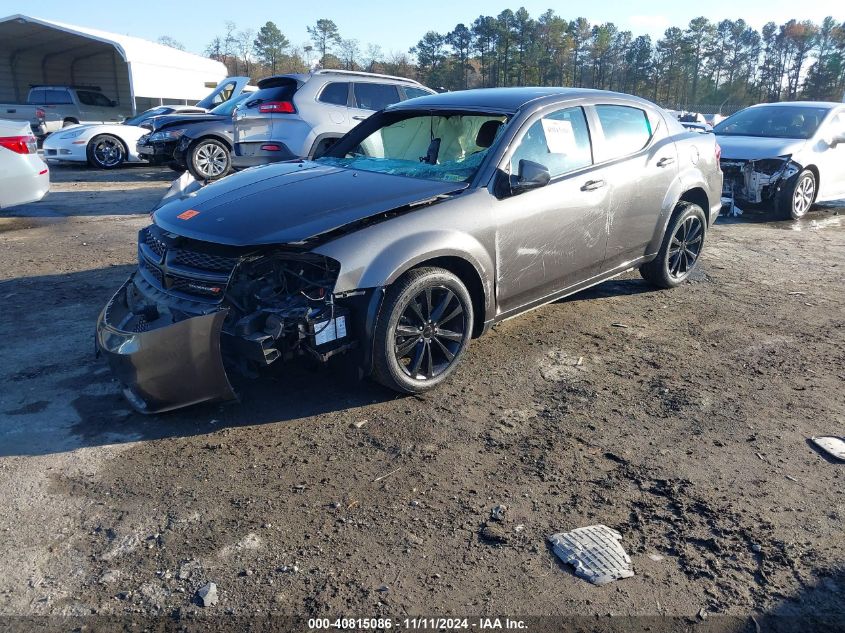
133 49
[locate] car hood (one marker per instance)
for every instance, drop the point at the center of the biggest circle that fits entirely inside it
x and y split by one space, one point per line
287 203
90 128
755 147
180 120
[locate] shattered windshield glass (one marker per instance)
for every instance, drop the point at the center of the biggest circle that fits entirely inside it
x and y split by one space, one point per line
774 122
447 147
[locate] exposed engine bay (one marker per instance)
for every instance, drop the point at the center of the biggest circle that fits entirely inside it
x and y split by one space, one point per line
250 306
754 181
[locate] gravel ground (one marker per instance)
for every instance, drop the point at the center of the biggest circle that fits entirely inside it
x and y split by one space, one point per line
685 430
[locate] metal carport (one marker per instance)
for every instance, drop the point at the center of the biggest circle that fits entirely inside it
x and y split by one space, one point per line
136 73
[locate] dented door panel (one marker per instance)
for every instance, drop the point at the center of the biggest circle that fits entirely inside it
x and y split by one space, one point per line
550 238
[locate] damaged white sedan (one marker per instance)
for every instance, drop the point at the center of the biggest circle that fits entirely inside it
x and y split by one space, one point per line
784 156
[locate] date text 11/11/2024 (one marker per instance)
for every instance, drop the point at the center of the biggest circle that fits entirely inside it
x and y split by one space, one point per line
416 624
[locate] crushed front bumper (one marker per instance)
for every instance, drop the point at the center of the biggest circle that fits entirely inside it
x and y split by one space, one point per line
167 367
754 181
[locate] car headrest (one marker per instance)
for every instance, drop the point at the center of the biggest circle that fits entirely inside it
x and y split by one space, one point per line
487 133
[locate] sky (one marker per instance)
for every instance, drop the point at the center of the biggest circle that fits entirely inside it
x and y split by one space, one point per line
395 26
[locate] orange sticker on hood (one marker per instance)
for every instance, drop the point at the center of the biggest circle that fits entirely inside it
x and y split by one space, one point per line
187 215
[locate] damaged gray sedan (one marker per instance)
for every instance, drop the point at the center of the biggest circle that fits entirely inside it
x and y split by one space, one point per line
421 228
785 156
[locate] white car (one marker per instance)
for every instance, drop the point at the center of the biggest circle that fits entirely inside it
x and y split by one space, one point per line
110 145
107 145
24 177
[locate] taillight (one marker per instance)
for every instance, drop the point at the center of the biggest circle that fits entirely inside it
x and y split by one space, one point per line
718 152
20 144
39 113
277 107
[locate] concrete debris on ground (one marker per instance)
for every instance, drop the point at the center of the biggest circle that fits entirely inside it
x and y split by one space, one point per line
493 531
595 552
498 513
207 595
833 446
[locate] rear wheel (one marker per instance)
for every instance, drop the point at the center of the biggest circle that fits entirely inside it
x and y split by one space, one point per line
680 249
423 330
105 151
797 196
209 159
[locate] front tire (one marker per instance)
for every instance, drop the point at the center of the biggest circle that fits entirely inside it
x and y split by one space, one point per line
209 159
423 330
105 152
797 196
680 249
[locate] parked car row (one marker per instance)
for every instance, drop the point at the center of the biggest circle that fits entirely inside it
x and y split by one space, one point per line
108 146
288 117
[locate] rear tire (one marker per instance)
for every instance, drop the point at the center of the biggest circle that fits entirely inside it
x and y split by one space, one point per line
423 330
796 196
679 252
105 151
209 159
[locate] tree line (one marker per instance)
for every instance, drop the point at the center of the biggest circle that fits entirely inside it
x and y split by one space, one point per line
725 63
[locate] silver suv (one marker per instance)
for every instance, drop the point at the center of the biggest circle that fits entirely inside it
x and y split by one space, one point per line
300 116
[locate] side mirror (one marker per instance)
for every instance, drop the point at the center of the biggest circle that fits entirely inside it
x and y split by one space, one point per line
531 176
837 139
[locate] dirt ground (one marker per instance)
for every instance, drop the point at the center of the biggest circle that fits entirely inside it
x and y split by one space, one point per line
679 418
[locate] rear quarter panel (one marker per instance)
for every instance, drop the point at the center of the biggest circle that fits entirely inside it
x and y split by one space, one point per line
697 169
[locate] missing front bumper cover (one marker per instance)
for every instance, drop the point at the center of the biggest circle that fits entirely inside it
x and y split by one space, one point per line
168 367
754 181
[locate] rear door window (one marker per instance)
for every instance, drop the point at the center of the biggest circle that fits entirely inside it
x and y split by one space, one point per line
38 96
58 97
413 93
90 98
335 93
626 130
375 96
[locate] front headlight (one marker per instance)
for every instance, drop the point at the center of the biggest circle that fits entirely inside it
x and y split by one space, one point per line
770 166
73 134
166 135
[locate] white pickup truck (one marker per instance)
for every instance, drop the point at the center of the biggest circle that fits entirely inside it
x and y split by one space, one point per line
50 108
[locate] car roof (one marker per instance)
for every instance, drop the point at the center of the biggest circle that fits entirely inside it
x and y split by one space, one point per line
800 104
508 99
301 78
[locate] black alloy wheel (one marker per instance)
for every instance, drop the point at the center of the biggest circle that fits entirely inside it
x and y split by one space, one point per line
423 330
681 248
685 247
429 333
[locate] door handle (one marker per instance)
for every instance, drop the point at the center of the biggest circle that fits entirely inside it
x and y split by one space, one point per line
664 162
359 117
592 185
